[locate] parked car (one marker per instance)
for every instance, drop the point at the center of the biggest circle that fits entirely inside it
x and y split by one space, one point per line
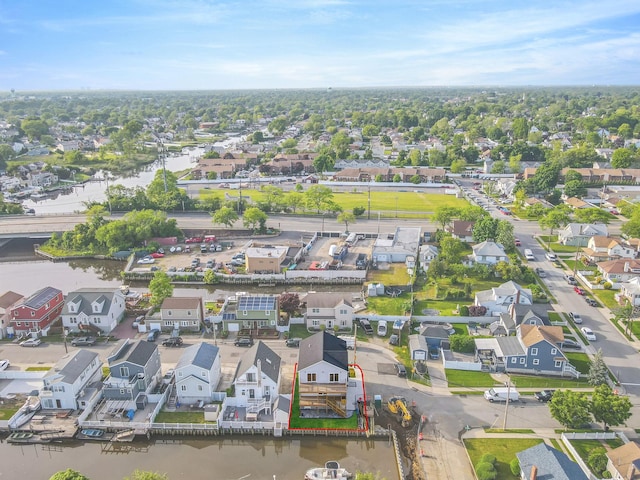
588 333
172 342
243 342
614 212
146 260
136 323
568 343
541 273
394 339
552 257
591 301
83 341
157 255
153 335
210 264
544 396
4 364
575 317
293 342
578 290
366 326
571 280
517 242
434 353
401 370
30 342
193 240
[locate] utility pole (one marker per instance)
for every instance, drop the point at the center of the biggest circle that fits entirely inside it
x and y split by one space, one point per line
506 404
369 205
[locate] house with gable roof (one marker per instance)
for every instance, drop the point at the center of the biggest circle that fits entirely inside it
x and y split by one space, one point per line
134 370
623 463
489 253
534 350
329 310
7 301
631 291
600 248
498 299
323 374
35 314
257 379
181 313
620 270
545 462
96 310
578 234
72 382
462 230
396 248
197 373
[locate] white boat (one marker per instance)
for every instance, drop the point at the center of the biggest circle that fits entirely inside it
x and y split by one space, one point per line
26 412
331 470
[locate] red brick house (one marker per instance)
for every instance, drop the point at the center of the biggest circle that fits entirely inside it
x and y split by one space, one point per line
36 313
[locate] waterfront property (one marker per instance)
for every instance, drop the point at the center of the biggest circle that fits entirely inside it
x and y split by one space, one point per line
7 301
257 380
396 248
197 374
35 314
179 313
329 310
96 310
73 382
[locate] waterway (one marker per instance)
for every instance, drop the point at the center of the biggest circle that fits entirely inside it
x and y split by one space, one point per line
95 191
250 458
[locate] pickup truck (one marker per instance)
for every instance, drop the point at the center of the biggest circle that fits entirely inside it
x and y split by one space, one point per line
366 326
83 341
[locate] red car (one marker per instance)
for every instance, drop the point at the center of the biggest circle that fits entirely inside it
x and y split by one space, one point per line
193 240
517 242
614 212
157 255
578 290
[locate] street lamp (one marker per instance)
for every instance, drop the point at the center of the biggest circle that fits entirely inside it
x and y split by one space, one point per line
65 332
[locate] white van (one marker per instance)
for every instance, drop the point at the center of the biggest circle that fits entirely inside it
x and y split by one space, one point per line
500 394
528 254
350 340
382 328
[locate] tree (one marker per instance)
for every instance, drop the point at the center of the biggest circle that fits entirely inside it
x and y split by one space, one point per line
592 215
143 475
68 474
346 218
458 166
225 216
546 176
570 408
575 188
272 196
554 218
484 229
515 164
160 288
472 213
520 128
622 158
289 303
498 167
255 218
444 215
505 235
598 371
451 248
318 197
609 408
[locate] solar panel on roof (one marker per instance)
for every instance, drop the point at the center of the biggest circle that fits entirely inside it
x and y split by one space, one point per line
256 303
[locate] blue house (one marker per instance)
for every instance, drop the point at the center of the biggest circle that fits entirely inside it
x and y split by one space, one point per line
134 369
545 462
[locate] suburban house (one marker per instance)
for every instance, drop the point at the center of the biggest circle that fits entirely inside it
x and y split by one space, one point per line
257 380
266 259
462 230
323 375
435 335
134 370
535 349
620 270
35 314
72 382
250 312
7 300
498 299
545 462
578 234
577 203
518 314
197 373
427 254
489 253
397 247
181 313
329 310
631 291
600 248
96 310
623 463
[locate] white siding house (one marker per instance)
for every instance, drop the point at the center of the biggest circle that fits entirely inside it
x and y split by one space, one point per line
197 373
69 384
257 379
97 310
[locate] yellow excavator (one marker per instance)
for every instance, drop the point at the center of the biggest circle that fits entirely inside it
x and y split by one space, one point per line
398 406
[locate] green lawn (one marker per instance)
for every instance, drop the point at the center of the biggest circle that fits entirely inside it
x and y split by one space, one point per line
555 317
579 360
584 447
396 274
180 417
8 412
296 421
557 247
607 298
530 381
463 378
504 449
38 369
388 305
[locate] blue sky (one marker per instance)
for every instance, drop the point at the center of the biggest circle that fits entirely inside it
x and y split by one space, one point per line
209 44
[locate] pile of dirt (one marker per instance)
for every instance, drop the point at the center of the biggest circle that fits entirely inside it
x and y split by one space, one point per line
408 441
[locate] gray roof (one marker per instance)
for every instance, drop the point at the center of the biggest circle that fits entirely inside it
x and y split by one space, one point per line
435 331
327 300
584 229
86 296
405 240
510 346
41 297
269 361
282 403
551 464
488 248
72 366
201 355
323 346
137 353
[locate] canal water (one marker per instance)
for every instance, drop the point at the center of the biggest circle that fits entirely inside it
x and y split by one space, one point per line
233 458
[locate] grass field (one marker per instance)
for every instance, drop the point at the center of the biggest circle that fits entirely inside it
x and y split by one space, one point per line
8 412
527 381
463 378
579 360
404 203
180 417
504 449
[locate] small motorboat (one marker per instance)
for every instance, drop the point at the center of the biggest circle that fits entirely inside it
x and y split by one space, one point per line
92 432
331 471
